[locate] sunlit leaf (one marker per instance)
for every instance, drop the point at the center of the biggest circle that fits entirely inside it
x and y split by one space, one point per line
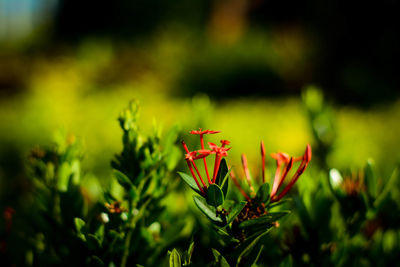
189 180
175 259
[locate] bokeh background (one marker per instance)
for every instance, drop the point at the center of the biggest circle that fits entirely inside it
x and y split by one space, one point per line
236 66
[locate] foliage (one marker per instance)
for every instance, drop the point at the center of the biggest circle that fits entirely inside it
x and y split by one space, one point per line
305 213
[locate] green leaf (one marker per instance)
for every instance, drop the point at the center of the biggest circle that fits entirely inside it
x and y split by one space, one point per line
190 253
370 178
220 261
248 247
392 184
122 179
263 220
258 256
276 204
222 176
94 261
79 224
286 262
263 193
226 237
64 174
209 211
93 242
236 210
189 180
214 195
175 259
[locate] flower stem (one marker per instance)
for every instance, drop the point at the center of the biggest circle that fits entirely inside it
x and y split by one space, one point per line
247 172
204 159
263 161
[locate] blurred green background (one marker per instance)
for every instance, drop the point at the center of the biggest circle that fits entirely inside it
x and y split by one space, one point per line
235 66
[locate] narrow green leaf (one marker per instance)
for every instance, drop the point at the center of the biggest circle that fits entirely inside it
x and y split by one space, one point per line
190 253
390 185
247 248
264 220
276 204
175 259
263 193
371 179
189 180
258 256
235 211
225 236
214 195
122 179
222 171
219 259
222 177
209 211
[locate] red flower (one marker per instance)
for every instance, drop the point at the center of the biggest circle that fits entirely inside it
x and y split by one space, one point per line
225 143
219 153
202 153
201 133
190 157
282 158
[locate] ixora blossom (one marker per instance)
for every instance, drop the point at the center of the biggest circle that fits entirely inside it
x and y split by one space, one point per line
284 164
192 156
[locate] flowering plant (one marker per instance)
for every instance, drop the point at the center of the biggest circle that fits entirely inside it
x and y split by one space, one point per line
243 222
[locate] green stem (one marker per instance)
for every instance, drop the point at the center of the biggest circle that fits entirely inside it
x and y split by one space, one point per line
132 226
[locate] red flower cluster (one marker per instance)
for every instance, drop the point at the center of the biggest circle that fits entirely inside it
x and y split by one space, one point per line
191 156
284 164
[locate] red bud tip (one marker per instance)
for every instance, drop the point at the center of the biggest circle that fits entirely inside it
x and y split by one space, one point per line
262 149
308 153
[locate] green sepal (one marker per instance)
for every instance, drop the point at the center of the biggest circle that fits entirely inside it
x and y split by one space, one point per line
209 211
175 259
189 180
263 220
263 193
214 195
